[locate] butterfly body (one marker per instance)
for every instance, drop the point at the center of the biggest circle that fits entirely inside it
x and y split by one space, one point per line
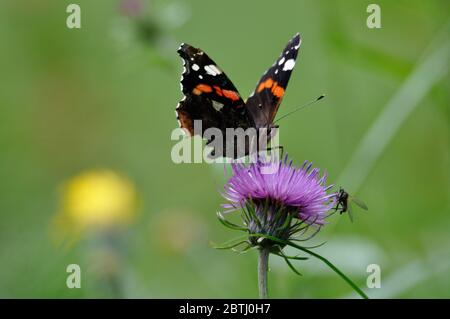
210 97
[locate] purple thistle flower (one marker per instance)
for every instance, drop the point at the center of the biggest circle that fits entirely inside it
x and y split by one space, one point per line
277 198
278 201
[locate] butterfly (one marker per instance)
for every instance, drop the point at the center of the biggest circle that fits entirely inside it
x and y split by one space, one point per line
211 97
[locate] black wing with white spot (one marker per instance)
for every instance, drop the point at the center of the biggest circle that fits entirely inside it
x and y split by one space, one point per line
265 100
209 95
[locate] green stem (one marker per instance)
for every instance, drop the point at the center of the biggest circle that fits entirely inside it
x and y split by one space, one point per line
263 266
323 259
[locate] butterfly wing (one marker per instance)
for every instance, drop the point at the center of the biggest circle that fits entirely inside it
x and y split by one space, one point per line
209 95
265 100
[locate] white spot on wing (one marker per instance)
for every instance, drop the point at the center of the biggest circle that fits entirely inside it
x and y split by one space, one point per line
218 106
298 45
195 67
281 61
200 77
289 65
276 71
212 70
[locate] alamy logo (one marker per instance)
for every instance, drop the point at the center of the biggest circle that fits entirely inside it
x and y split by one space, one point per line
74 278
223 146
374 19
73 20
374 279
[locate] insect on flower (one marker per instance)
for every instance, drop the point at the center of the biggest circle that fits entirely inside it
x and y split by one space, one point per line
344 200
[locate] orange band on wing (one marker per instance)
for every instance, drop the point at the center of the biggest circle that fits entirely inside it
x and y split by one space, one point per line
267 84
202 88
276 90
218 90
232 95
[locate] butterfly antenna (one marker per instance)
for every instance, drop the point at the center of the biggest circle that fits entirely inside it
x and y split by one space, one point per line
300 107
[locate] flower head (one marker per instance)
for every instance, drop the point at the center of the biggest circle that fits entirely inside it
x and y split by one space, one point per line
275 194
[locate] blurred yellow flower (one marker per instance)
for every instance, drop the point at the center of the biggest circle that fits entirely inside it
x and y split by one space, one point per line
97 199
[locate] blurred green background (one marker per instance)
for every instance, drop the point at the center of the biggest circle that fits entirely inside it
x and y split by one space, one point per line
103 96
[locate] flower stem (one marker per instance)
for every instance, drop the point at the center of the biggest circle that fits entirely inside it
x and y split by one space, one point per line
323 259
263 266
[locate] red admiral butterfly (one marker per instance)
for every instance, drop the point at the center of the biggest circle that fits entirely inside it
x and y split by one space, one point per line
211 97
